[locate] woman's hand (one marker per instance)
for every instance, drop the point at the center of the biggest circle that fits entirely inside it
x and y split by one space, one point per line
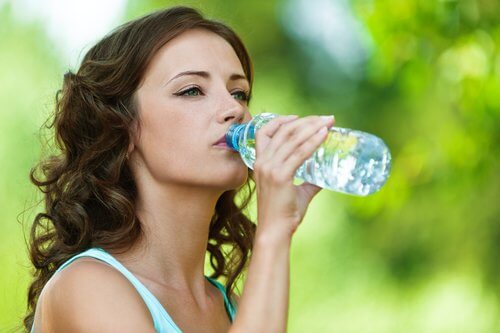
282 145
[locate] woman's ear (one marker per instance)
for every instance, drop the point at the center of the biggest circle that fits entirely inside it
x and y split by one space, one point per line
134 136
130 148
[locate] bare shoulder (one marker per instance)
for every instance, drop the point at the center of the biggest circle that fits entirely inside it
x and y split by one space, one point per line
87 296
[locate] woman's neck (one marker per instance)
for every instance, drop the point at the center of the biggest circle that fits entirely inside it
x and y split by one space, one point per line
171 250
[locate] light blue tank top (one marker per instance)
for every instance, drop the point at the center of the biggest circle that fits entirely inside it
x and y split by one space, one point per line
161 319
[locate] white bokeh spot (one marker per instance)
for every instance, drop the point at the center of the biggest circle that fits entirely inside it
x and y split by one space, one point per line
73 25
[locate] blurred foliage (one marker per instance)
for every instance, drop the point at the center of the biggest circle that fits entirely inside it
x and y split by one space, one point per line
420 255
30 75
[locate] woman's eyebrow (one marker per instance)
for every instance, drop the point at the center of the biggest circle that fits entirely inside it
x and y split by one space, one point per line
206 75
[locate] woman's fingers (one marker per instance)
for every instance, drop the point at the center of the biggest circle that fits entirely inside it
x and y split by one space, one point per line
303 152
294 134
272 126
264 134
297 137
281 148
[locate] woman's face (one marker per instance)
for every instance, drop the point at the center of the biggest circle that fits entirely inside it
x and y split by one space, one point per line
193 90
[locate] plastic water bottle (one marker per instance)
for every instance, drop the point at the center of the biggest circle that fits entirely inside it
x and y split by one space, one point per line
348 161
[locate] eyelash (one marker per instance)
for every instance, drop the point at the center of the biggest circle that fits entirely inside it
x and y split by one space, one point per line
194 88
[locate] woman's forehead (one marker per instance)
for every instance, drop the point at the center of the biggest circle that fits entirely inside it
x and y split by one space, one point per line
198 50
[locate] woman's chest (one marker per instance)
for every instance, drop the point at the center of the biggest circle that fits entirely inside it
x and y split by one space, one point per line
190 317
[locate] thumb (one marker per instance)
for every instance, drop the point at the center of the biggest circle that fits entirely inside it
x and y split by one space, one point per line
308 192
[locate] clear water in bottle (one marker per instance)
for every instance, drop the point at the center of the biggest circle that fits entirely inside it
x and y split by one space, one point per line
348 161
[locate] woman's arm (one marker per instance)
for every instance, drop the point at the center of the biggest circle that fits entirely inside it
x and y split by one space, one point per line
282 146
263 306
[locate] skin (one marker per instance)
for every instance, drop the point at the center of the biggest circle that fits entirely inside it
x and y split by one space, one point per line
180 174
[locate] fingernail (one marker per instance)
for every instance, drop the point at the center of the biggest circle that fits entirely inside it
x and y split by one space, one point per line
327 118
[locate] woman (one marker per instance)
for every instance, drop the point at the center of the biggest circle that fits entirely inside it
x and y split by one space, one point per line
142 188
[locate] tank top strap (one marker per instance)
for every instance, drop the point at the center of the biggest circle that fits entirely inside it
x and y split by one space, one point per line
230 306
163 323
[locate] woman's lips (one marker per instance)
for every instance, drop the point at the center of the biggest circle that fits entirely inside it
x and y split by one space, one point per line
222 144
222 140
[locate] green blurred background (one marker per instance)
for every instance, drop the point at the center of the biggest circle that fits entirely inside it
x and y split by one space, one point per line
419 256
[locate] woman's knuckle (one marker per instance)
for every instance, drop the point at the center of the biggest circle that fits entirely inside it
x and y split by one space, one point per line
293 136
291 131
283 127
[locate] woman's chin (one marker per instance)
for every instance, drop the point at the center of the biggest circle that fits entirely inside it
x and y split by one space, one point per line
236 181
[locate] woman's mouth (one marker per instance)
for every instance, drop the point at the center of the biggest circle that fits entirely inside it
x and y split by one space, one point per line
221 141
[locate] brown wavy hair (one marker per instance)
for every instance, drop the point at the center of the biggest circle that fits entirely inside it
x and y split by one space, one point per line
89 192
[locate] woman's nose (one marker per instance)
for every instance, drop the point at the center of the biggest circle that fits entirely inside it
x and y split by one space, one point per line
231 109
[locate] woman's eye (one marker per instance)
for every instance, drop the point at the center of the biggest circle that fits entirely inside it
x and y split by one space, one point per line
193 91
240 95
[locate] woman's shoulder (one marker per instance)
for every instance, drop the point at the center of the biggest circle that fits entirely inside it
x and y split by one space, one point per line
90 295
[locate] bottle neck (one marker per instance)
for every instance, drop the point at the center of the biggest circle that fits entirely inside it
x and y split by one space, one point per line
237 130
233 136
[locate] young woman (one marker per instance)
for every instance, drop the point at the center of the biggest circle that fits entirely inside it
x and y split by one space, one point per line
142 188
